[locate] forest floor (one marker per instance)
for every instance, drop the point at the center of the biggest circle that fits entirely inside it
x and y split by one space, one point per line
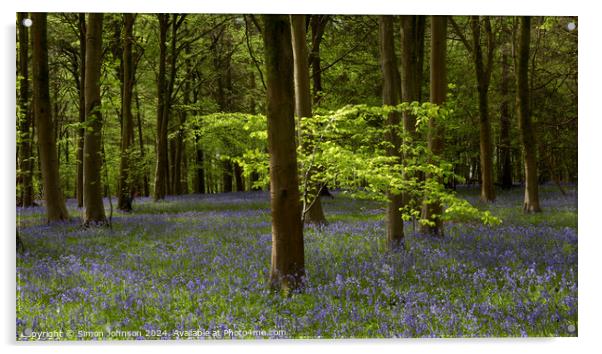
196 267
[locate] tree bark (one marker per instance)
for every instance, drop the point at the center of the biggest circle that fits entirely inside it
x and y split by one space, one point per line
82 110
531 202
161 150
483 74
56 209
25 120
288 259
432 211
505 142
93 192
318 26
145 186
391 97
127 129
412 62
315 213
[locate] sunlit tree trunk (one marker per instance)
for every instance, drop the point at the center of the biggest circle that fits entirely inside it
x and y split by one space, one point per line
25 160
314 213
82 110
93 192
432 211
531 202
127 128
288 259
391 96
56 209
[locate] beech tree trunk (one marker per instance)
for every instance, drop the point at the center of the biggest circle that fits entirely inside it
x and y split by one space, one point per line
93 192
531 202
391 96
288 260
56 209
24 178
483 74
412 62
505 142
127 127
432 211
82 110
318 26
161 178
145 186
314 214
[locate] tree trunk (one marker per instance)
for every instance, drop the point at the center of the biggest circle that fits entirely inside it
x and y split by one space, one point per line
483 74
505 142
531 203
432 211
288 259
318 26
56 209
127 129
145 186
161 149
200 170
25 120
315 213
391 95
240 184
93 204
82 110
227 176
412 60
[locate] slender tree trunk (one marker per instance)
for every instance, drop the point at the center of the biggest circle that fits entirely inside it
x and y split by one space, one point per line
200 170
167 109
227 176
391 96
531 203
180 147
25 121
172 164
82 110
93 192
56 209
127 129
505 142
161 149
288 259
145 186
318 26
315 213
483 74
240 184
432 211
